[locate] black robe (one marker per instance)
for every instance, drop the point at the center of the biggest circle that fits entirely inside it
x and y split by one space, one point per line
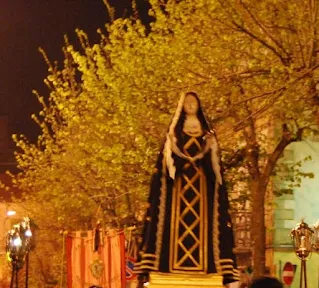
187 227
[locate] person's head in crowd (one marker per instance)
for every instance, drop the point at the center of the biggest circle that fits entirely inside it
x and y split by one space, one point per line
266 282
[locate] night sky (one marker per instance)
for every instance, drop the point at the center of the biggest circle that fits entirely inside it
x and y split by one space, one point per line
27 25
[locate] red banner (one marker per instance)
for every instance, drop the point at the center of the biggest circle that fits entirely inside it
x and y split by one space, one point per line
104 267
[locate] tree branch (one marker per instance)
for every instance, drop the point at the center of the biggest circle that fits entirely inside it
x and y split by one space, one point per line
240 28
235 159
252 147
254 115
273 158
314 32
262 27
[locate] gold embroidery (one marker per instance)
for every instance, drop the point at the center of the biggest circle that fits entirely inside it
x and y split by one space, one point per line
226 260
216 229
199 133
149 255
176 188
161 214
205 221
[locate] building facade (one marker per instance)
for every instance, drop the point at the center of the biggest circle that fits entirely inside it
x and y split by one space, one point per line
303 203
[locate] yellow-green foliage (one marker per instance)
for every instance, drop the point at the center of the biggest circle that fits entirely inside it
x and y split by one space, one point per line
254 65
110 103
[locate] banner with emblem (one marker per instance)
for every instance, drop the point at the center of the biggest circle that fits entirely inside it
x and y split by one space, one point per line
94 258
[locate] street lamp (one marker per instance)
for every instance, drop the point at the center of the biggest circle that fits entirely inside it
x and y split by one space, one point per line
18 245
302 236
316 237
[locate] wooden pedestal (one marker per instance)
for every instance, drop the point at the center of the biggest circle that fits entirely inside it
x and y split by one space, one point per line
158 280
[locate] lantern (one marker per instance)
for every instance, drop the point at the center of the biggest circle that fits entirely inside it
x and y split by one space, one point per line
302 236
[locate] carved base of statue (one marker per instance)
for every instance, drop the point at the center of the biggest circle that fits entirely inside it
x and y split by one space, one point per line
158 280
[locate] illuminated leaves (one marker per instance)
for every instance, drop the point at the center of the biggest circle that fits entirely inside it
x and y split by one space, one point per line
254 65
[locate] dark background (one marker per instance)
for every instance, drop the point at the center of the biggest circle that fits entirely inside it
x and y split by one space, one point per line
26 25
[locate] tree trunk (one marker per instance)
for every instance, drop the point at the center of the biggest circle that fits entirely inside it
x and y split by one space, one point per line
258 229
258 188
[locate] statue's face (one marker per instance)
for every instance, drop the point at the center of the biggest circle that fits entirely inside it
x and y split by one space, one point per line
190 105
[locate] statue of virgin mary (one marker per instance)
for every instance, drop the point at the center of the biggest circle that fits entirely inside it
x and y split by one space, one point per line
187 227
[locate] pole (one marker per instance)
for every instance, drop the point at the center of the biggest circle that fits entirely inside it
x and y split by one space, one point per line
303 274
305 271
17 278
27 270
12 276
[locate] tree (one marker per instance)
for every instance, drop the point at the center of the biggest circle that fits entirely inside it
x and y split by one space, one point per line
259 60
254 64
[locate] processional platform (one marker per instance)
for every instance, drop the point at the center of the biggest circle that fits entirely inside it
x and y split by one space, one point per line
159 280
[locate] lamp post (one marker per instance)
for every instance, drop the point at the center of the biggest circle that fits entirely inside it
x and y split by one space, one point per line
302 236
18 245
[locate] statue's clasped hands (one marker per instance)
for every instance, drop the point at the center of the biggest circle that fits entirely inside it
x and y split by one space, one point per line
209 138
193 159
